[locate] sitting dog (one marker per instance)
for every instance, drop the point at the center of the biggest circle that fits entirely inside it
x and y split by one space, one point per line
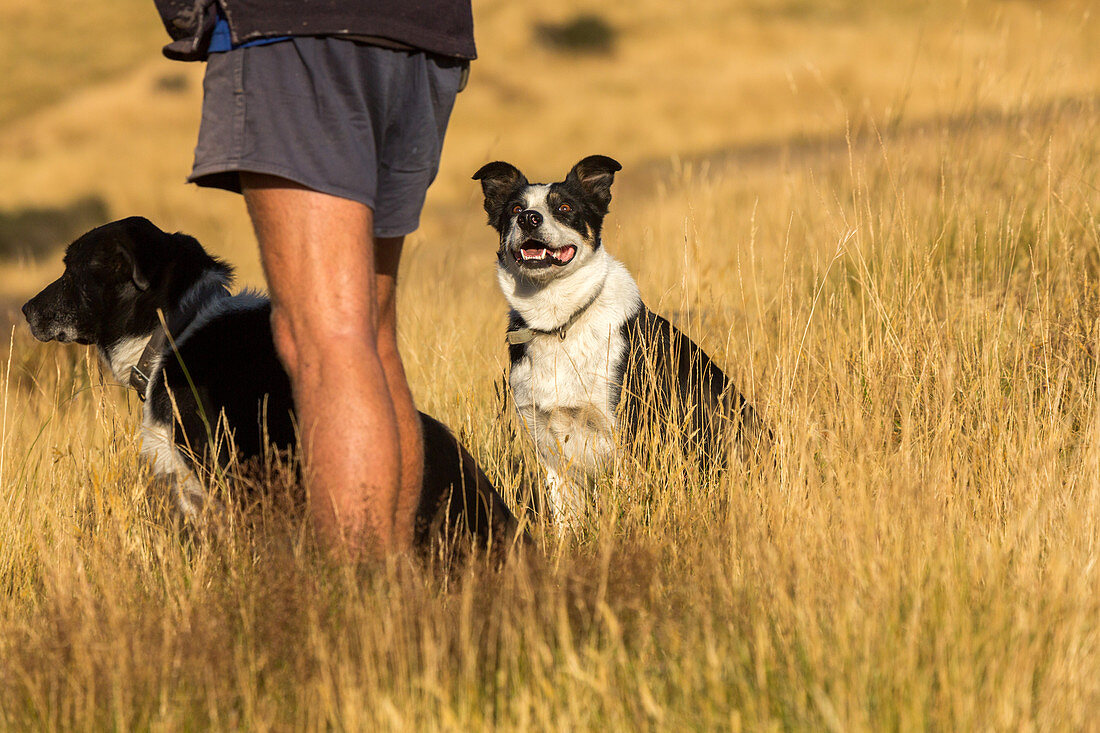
214 361
590 364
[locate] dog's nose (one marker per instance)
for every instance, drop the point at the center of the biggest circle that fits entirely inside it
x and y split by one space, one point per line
27 311
529 220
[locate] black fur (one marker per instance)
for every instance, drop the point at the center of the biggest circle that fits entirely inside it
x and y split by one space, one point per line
584 216
256 401
118 275
669 383
593 176
499 183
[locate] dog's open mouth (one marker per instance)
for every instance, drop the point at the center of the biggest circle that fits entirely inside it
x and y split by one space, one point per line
533 253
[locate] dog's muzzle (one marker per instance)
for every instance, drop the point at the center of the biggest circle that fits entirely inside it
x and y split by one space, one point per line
47 325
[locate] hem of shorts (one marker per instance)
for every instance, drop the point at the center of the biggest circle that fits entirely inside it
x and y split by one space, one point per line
206 176
394 232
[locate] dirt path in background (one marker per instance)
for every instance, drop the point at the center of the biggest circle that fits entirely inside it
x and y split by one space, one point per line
642 178
809 149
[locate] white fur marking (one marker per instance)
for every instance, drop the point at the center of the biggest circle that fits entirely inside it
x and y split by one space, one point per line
566 390
566 501
124 354
159 449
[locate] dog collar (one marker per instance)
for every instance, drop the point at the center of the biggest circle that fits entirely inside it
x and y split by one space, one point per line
526 335
141 373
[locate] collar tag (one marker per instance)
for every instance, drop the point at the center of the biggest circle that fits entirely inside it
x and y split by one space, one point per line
139 380
520 336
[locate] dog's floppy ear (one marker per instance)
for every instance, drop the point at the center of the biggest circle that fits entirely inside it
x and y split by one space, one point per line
594 175
137 243
136 275
498 181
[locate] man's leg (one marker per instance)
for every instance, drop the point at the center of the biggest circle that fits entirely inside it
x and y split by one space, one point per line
387 257
318 255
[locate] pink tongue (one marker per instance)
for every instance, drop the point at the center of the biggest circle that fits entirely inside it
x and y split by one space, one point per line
564 254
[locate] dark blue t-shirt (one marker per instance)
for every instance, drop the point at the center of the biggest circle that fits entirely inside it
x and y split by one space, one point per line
441 27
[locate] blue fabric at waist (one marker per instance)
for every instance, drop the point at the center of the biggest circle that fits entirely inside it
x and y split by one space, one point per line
221 40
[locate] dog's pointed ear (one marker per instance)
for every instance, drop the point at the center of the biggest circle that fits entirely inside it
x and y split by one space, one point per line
498 181
594 175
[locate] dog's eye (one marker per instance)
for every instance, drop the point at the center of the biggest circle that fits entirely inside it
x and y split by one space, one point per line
516 209
565 208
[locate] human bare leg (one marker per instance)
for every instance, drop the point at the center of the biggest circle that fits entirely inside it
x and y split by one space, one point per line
387 257
318 255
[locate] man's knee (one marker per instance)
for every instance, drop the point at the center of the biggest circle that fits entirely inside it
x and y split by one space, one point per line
305 344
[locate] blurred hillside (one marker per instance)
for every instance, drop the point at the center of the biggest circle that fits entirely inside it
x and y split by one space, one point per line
91 110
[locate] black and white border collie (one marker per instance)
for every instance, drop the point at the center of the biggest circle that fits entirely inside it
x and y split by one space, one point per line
591 366
217 362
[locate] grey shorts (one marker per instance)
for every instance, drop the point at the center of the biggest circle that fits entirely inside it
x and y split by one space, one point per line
341 117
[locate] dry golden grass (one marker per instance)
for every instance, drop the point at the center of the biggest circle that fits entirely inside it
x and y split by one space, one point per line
915 307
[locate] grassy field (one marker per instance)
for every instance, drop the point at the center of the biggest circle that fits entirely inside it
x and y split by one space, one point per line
880 218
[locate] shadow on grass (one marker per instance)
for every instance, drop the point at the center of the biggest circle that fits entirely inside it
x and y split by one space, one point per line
34 233
585 33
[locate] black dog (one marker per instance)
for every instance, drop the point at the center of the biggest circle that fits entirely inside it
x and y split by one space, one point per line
589 360
217 362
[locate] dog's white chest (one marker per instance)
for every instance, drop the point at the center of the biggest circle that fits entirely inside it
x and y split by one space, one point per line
565 392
